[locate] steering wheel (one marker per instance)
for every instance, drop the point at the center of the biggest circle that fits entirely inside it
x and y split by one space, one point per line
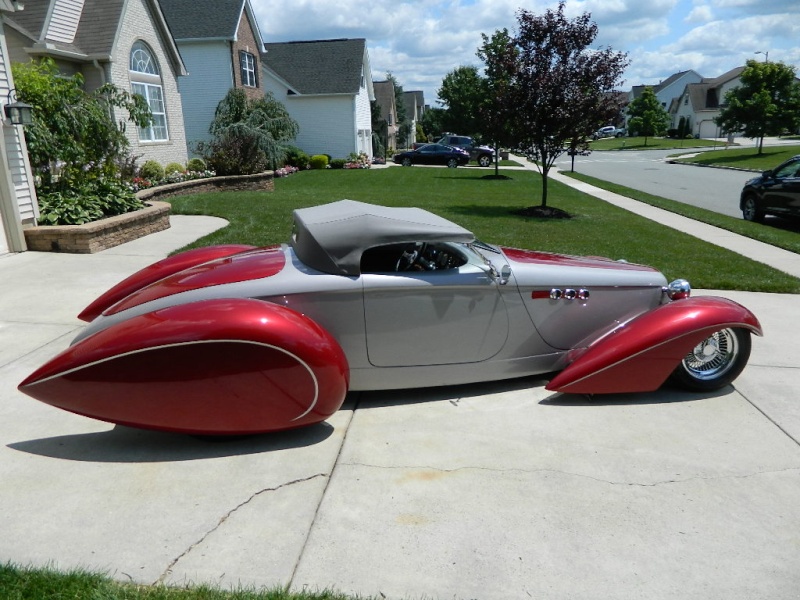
410 255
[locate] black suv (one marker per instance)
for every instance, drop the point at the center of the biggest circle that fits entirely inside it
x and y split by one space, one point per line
774 192
483 155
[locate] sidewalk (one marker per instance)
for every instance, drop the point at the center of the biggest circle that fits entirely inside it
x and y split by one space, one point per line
493 491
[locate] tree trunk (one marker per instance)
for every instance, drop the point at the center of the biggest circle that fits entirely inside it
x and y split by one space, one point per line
545 171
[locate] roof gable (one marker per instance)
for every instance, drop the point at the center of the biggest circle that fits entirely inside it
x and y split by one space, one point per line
203 19
321 66
98 24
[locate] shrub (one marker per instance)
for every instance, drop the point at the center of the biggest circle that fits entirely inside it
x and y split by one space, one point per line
297 158
319 161
234 153
89 202
152 170
337 163
174 167
196 164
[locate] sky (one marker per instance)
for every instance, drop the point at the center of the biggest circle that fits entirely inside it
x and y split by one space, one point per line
421 41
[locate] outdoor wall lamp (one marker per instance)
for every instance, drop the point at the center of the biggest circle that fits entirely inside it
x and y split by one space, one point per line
19 113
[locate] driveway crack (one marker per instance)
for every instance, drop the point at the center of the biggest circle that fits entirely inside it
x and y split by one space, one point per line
226 516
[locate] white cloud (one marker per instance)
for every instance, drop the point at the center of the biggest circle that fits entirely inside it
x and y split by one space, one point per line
420 41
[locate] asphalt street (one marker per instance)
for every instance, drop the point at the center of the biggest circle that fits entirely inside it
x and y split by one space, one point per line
648 171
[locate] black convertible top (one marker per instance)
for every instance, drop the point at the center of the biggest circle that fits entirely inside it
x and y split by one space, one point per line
332 237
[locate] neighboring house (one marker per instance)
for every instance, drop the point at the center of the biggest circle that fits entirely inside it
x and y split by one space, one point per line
668 89
221 46
18 205
123 42
699 104
326 86
385 99
415 107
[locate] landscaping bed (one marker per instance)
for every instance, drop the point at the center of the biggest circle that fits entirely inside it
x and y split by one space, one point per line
113 231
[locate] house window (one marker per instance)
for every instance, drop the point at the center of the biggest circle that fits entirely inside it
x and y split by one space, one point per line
247 62
146 81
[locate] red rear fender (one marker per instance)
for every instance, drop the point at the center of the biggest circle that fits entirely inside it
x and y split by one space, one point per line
641 354
216 367
157 271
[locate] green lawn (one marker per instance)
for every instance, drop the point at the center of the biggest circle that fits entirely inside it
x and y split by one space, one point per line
744 158
484 205
46 584
651 143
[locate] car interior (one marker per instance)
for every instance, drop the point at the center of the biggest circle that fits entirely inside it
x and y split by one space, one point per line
415 256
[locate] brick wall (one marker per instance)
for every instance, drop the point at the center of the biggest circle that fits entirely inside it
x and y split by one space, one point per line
138 24
246 40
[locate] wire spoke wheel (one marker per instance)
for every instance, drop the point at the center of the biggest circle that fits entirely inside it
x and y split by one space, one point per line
716 361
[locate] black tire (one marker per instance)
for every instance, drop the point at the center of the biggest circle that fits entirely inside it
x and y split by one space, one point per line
715 362
406 162
484 160
452 163
750 210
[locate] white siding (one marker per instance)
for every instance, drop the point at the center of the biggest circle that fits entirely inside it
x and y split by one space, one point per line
64 20
210 77
16 151
138 24
328 124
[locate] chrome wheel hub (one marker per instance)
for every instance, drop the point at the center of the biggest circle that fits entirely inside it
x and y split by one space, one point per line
713 356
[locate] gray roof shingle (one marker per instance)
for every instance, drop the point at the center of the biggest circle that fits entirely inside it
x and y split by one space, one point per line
320 66
202 19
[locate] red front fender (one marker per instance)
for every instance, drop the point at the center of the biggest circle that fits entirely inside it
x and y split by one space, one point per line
215 367
640 355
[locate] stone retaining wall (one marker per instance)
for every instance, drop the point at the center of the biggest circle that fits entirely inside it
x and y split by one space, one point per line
233 183
99 235
113 231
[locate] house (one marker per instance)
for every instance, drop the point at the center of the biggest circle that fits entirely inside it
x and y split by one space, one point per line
668 89
385 99
18 205
326 86
415 107
699 103
221 46
123 42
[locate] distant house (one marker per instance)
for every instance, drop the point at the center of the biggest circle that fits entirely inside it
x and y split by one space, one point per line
18 205
326 86
668 89
124 42
221 46
415 107
385 99
699 103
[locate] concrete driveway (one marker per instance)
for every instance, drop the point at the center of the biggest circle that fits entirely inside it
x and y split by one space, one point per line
493 491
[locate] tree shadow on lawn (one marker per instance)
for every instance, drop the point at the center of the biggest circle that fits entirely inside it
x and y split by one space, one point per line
533 212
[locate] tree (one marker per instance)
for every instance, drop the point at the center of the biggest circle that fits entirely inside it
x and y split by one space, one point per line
766 103
433 122
462 93
648 117
248 135
403 129
74 137
495 109
559 88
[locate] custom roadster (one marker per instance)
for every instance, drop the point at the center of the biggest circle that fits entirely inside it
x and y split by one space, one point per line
230 340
